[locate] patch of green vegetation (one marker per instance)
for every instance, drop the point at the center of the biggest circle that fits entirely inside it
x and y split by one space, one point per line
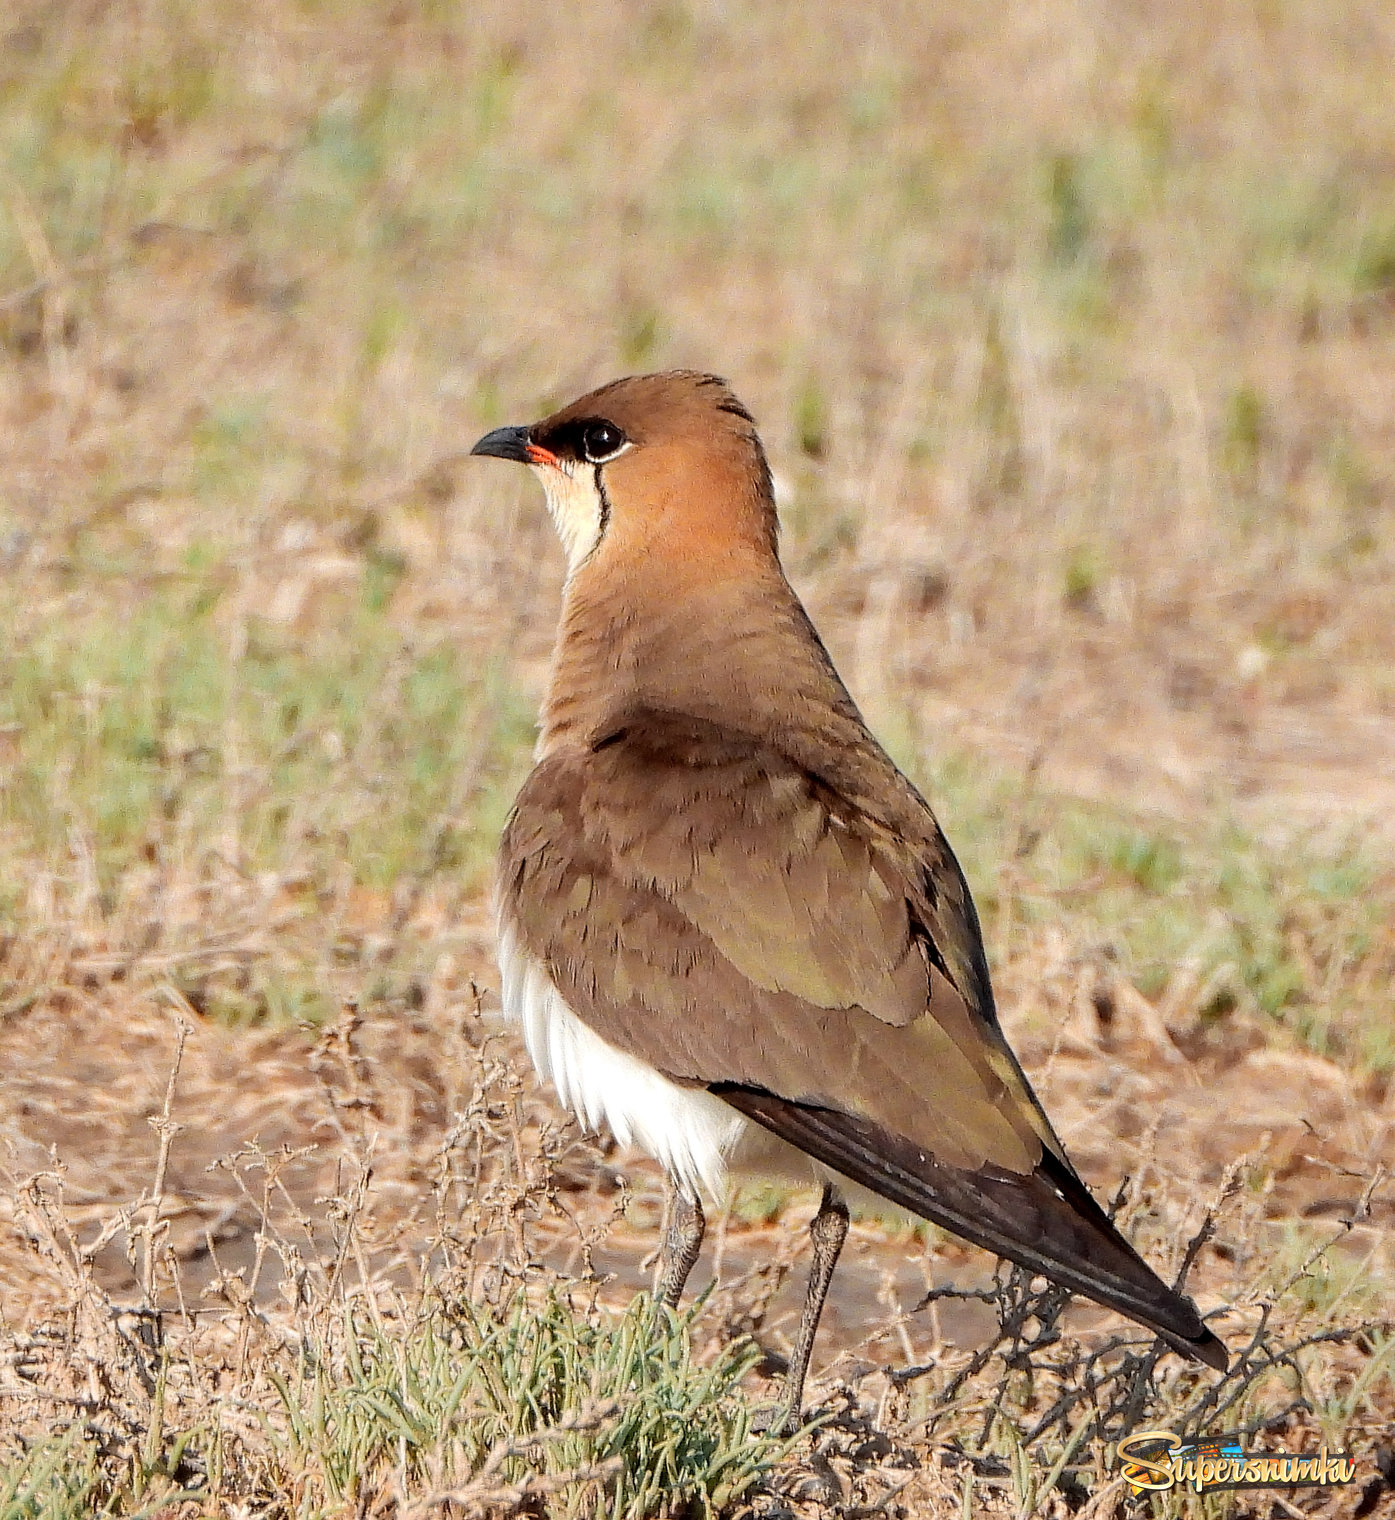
666 28
383 569
1282 925
1300 231
1244 431
170 93
66 1478
761 1202
706 201
492 93
999 409
1069 221
132 735
811 419
499 1397
1084 572
1150 861
56 1479
641 336
1153 125
872 103
228 442
264 993
598 1413
1220 903
1374 271
1323 1282
815 530
347 137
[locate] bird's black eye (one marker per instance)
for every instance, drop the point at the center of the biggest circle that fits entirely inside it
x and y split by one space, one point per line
602 441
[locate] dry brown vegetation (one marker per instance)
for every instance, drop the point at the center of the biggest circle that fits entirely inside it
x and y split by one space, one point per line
1071 331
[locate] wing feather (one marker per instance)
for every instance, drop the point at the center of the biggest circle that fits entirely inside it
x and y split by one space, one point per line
731 918
706 904
1044 1219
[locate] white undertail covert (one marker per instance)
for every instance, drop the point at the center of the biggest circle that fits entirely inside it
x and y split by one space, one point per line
690 1133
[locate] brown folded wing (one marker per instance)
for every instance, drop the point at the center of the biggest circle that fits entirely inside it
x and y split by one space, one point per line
727 916
742 924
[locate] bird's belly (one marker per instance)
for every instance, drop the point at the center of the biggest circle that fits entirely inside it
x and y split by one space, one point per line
693 1135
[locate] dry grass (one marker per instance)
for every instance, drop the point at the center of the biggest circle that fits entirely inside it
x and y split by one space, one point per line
1070 333
413 1295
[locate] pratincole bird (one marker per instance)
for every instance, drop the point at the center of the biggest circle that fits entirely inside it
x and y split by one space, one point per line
730 928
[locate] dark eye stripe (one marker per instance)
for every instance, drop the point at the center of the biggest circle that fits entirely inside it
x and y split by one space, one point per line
592 440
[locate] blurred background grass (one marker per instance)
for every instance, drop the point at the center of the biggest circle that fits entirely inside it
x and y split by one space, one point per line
1070 332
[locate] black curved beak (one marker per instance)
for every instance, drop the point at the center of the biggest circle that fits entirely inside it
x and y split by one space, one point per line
505 443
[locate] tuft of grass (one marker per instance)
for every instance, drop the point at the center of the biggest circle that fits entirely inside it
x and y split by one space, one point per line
642 337
1245 428
1070 223
811 419
602 1413
1084 573
56 1479
1374 274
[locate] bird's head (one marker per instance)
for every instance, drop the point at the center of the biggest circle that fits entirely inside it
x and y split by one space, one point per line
669 461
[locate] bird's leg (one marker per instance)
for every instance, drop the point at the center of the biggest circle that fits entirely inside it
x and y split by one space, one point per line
828 1229
682 1242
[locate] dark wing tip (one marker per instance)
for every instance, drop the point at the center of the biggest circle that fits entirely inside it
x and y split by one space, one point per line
1045 1220
1206 1347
